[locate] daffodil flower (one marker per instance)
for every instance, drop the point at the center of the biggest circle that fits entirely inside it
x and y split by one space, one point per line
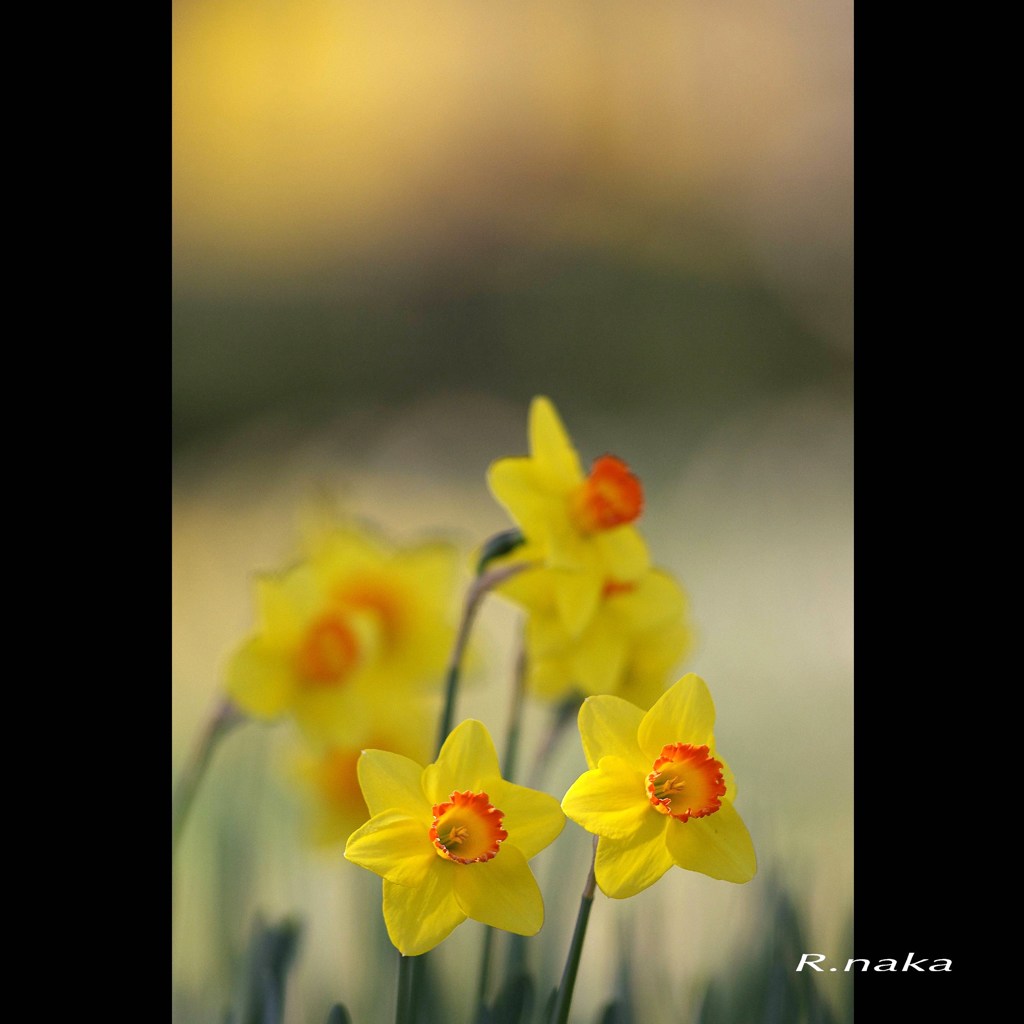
579 524
657 794
452 841
346 633
637 634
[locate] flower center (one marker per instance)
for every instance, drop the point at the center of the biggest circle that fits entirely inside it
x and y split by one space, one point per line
328 653
686 782
384 604
609 497
467 829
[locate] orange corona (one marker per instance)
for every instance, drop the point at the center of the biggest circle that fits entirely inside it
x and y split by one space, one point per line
467 829
686 782
611 496
328 653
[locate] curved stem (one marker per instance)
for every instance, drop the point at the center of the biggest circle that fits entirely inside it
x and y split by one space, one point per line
223 721
477 591
560 1013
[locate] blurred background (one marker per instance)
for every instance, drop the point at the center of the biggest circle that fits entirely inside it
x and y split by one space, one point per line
393 224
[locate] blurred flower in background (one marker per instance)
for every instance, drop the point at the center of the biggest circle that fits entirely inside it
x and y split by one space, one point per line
637 633
348 637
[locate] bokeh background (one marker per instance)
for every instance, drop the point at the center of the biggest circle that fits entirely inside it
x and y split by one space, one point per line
393 224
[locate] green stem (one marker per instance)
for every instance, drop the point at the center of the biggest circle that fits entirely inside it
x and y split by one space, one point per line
475 595
563 715
406 1007
223 721
563 1000
485 964
515 717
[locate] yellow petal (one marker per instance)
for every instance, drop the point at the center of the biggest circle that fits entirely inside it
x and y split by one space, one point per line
546 637
260 679
390 781
515 484
550 446
419 917
623 553
282 621
468 761
656 600
576 596
684 713
625 867
718 845
610 800
600 659
608 725
532 819
334 715
501 892
394 846
550 678
727 777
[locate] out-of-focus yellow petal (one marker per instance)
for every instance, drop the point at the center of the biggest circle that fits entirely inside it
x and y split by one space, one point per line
394 846
501 893
610 800
718 845
556 459
331 715
531 818
281 617
624 867
514 483
468 761
259 679
390 781
608 726
600 658
623 553
419 917
576 597
656 599
684 713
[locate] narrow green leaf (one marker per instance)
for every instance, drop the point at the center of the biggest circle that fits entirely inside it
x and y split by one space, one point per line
338 1015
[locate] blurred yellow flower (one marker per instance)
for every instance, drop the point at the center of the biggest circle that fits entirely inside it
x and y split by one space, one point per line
347 633
637 634
657 795
452 841
328 781
579 525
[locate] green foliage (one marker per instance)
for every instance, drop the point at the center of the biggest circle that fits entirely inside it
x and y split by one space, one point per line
765 987
260 995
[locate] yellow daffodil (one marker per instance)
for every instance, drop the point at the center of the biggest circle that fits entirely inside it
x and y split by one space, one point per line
452 841
636 635
349 630
579 525
657 794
